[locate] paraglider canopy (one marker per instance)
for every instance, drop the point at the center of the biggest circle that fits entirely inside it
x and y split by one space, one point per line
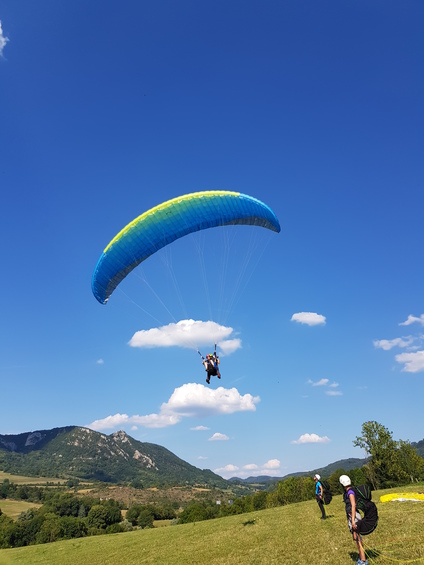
170 221
403 497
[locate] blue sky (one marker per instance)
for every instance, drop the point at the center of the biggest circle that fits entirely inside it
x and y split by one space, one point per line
316 109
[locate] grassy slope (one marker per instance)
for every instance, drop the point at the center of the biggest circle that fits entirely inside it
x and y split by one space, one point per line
292 534
21 480
13 508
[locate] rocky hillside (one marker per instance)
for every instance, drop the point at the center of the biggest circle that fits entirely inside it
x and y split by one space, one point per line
80 452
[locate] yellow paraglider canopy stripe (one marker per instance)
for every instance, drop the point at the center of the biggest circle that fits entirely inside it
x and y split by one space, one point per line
170 221
167 204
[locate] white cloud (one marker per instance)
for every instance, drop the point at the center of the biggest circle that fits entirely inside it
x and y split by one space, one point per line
331 386
387 344
199 429
413 359
272 464
187 333
412 319
250 467
321 382
308 318
228 346
271 468
120 420
202 458
109 422
161 420
134 428
190 400
227 469
100 362
333 393
311 438
3 40
196 400
413 362
218 437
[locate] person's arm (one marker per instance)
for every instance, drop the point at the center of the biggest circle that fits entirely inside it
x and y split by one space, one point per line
353 503
321 490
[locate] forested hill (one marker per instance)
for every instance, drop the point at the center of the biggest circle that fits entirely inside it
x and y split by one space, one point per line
345 464
419 447
79 452
118 458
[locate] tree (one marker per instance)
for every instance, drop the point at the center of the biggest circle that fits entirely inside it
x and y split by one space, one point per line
333 481
411 463
198 511
22 492
163 512
307 488
275 498
114 511
380 445
73 527
98 517
51 529
291 490
259 500
4 488
64 504
7 527
145 518
358 476
133 512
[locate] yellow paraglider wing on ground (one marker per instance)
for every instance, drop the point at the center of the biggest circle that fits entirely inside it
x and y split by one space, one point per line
403 497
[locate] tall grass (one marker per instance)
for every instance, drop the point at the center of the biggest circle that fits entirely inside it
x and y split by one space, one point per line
292 534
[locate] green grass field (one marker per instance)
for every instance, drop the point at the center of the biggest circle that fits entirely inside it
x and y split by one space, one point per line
21 480
288 535
13 508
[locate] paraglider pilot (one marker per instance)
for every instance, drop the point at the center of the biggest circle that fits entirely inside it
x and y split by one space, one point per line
211 364
319 494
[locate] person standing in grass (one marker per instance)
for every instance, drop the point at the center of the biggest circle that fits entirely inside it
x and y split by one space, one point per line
353 517
319 493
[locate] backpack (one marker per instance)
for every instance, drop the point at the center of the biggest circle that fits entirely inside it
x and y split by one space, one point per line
363 497
326 492
369 509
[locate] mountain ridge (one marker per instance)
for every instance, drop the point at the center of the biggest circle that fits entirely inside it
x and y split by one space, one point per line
345 464
79 452
74 451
